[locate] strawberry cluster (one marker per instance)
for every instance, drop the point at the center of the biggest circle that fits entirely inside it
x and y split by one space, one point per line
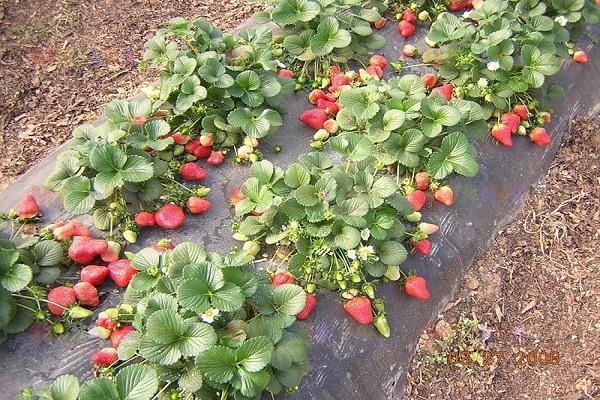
518 122
112 324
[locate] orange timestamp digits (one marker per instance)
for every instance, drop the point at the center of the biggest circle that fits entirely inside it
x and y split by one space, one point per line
486 357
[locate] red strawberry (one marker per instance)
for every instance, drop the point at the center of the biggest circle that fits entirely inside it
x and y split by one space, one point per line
422 180
192 145
423 247
106 323
445 90
416 286
215 158
28 208
59 298
359 308
375 71
417 199
512 120
236 197
328 106
522 111
444 195
83 250
311 303
429 80
409 16
192 172
281 278
379 61
163 245
337 91
119 334
409 50
540 136
70 229
198 205
112 252
340 80
334 70
285 73
316 95
94 274
580 57
105 357
380 23
502 133
144 219
121 272
206 140
546 117
314 118
406 29
202 151
170 216
180 138
87 294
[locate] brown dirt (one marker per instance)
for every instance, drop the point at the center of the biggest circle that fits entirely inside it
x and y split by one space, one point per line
535 292
61 61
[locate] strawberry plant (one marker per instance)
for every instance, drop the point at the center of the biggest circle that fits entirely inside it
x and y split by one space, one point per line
337 227
203 325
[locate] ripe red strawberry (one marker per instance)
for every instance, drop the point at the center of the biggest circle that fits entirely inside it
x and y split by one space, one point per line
206 140
112 251
281 278
202 152
340 80
540 136
285 73
83 250
445 90
106 323
416 286
359 308
192 145
144 219
380 23
311 303
512 120
328 106
215 158
522 111
409 50
87 294
94 274
502 133
417 199
198 205
406 29
314 118
180 138
580 57
59 298
28 208
422 180
316 95
409 16
105 357
70 229
336 91
170 216
429 80
163 245
121 272
236 197
192 172
334 70
423 247
379 61
375 71
119 334
444 195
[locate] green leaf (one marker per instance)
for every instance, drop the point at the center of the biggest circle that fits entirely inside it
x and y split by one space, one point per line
47 253
360 102
455 154
296 176
329 36
306 195
353 146
348 238
255 354
137 169
137 382
65 387
218 363
250 384
78 196
290 12
392 253
145 259
184 254
383 187
405 147
393 119
99 389
129 345
17 277
288 351
537 64
289 299
191 380
263 171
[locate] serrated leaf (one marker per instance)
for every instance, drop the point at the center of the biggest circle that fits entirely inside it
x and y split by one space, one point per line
296 176
65 387
348 238
289 299
136 382
145 259
99 389
47 253
392 253
218 363
17 277
255 353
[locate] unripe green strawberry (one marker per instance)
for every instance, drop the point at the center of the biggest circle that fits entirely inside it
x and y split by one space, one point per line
130 236
413 217
251 248
382 325
423 16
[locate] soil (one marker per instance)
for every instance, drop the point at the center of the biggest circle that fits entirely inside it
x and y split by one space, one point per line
61 61
530 307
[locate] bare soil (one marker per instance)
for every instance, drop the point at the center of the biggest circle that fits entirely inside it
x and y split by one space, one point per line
61 61
529 309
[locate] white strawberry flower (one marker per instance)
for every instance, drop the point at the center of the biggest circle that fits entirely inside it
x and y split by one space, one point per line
493 65
561 20
467 14
351 254
209 315
482 82
365 234
366 252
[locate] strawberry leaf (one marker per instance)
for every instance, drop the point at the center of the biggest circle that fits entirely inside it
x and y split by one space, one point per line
392 253
218 363
289 299
255 354
99 388
145 259
78 195
65 387
348 238
136 382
